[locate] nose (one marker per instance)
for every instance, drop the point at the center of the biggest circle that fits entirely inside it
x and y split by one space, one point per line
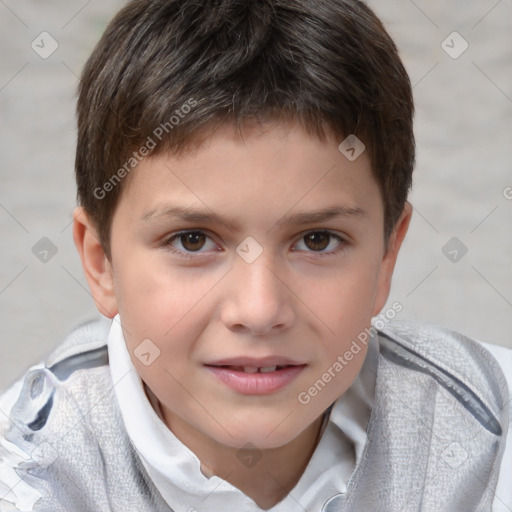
257 300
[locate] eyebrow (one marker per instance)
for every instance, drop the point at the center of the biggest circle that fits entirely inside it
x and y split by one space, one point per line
314 216
206 216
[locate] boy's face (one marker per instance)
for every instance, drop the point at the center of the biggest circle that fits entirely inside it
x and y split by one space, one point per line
291 275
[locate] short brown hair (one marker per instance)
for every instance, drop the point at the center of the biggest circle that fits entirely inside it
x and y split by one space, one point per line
328 64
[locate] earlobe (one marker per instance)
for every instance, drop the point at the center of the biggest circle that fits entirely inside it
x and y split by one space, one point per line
97 268
390 257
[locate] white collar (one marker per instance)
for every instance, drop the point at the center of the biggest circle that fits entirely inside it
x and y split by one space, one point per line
175 469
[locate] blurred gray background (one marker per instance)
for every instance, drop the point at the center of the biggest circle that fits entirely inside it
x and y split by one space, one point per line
456 265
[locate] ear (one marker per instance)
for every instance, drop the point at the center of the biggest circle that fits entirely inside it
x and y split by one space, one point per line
97 268
388 261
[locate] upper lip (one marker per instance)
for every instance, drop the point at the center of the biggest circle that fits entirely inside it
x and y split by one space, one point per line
263 362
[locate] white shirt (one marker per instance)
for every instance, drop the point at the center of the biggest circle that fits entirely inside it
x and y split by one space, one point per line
175 469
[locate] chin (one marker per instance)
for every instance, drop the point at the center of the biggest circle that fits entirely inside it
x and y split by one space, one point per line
264 435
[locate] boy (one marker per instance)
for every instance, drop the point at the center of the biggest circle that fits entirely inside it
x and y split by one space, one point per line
243 170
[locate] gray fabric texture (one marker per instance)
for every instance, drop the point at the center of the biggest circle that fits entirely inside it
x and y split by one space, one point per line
436 434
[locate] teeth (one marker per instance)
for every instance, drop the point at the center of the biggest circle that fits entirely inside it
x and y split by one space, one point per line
255 369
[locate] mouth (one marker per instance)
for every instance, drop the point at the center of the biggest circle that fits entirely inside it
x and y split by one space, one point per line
256 378
255 369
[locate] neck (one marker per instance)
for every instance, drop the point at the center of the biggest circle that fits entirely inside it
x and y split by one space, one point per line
265 476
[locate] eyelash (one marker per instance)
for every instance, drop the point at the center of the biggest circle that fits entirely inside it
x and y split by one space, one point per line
321 254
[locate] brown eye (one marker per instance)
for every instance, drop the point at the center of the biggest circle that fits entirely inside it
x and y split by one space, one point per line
317 241
321 243
193 241
191 244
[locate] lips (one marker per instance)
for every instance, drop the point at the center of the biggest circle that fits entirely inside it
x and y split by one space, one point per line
254 369
256 362
250 376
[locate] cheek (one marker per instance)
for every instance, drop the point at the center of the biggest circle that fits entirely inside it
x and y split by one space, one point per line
170 307
156 296
343 300
344 305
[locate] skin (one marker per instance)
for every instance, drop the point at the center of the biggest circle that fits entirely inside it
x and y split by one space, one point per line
207 303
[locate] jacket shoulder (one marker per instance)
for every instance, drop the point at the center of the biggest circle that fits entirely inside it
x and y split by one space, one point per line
87 336
49 398
461 365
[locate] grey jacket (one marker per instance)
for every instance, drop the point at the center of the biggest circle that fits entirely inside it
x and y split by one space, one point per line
436 434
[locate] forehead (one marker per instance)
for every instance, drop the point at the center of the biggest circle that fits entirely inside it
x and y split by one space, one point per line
265 170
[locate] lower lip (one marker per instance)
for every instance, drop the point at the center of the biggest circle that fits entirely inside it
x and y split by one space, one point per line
256 383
